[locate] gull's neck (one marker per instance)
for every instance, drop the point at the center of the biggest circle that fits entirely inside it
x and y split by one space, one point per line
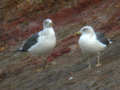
89 35
49 31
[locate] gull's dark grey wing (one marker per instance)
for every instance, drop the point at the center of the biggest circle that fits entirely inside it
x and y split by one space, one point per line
102 38
30 42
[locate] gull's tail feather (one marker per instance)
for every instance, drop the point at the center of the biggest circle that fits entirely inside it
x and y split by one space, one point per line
110 41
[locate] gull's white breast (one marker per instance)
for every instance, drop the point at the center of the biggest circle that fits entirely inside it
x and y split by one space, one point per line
90 44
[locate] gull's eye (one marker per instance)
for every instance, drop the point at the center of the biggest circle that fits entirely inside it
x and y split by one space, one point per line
85 29
46 22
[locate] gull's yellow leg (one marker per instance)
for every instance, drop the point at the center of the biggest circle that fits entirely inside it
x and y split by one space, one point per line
98 60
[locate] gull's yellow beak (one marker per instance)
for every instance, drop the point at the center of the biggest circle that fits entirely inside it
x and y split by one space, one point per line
78 33
52 24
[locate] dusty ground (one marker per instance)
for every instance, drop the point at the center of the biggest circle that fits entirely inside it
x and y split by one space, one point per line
20 72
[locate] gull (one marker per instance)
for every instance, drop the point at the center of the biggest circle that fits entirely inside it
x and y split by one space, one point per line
41 43
91 42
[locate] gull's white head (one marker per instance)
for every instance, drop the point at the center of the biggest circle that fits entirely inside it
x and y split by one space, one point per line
87 30
47 23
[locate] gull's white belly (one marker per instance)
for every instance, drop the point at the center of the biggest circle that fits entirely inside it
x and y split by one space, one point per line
90 45
42 47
